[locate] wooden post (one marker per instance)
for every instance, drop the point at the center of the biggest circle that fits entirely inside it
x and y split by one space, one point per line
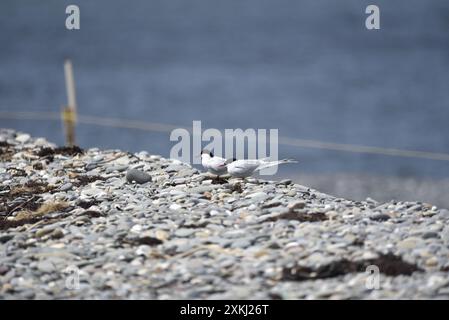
69 112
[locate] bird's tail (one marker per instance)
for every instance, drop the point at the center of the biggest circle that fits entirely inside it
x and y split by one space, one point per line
268 164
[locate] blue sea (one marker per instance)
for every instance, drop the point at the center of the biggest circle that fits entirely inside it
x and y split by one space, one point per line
308 68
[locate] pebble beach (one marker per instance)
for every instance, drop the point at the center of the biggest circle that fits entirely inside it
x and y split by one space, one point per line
109 224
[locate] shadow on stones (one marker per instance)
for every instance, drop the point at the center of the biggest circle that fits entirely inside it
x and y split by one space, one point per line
300 216
83 180
67 151
87 204
358 242
195 225
445 269
388 264
146 240
219 180
6 224
38 166
93 214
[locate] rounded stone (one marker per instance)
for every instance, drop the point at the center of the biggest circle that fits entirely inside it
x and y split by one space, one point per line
137 176
66 187
429 235
431 262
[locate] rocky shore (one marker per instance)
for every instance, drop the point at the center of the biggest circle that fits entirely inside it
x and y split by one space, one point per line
107 224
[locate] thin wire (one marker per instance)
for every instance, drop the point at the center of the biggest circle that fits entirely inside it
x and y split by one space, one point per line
167 128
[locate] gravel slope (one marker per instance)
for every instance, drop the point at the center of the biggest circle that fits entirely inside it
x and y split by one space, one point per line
68 213
382 188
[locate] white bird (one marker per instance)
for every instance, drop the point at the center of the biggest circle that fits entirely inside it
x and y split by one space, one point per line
246 168
213 164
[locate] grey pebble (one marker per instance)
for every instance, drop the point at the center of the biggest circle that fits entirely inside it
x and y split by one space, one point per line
184 232
66 187
429 235
117 168
46 266
137 176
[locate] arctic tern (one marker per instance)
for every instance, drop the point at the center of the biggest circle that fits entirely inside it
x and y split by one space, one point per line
213 164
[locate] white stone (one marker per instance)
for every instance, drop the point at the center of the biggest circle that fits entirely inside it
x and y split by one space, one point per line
175 206
22 138
137 228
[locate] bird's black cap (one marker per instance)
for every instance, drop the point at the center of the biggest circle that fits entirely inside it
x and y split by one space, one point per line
205 151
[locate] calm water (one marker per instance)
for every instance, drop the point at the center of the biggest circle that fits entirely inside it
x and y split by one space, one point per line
309 68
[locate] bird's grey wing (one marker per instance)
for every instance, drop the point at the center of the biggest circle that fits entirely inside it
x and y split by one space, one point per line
247 166
219 162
